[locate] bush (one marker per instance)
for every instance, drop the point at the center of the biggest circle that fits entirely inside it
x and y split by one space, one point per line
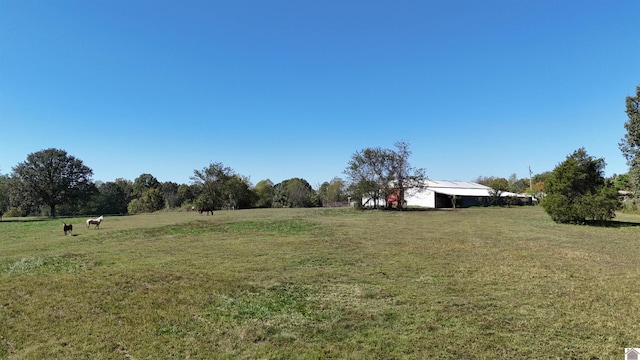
577 192
630 206
135 207
15 212
150 201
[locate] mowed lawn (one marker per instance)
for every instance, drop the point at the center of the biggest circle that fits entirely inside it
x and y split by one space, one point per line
482 283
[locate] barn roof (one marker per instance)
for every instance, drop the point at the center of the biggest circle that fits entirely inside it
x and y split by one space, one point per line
459 188
462 188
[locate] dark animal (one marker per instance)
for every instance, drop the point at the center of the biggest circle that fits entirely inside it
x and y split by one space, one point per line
68 228
95 221
206 210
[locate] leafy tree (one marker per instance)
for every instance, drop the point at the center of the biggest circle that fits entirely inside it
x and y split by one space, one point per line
497 185
4 194
210 183
147 195
51 177
170 194
237 193
538 190
264 193
109 195
126 186
516 185
185 194
143 183
538 181
332 192
20 203
294 192
576 191
630 144
112 198
621 182
368 174
151 200
135 207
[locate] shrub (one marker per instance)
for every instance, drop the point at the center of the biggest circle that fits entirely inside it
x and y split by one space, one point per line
577 191
135 206
15 212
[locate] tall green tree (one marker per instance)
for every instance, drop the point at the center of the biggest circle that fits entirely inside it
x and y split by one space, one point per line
498 186
143 183
621 182
368 174
170 194
151 200
332 192
264 193
112 198
630 144
210 183
52 177
576 191
147 195
185 194
238 193
294 192
4 194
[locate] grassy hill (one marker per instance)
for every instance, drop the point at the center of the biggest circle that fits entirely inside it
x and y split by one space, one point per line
481 283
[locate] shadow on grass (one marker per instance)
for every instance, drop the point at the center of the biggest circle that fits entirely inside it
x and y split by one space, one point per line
612 224
47 218
20 220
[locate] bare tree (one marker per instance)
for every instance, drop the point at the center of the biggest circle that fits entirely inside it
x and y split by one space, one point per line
375 173
404 176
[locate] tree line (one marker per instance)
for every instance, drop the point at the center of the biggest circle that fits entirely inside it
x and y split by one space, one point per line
52 182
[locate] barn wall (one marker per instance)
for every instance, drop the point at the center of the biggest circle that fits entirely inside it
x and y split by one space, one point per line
435 200
424 198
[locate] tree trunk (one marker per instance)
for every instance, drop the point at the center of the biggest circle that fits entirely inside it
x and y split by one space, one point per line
400 198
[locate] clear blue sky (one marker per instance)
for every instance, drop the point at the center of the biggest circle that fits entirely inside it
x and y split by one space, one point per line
282 89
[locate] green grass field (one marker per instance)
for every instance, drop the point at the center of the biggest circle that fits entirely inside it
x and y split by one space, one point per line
483 283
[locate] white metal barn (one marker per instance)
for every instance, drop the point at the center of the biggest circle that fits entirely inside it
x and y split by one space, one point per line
440 194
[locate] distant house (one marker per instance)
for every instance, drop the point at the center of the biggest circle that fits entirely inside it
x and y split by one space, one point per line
625 195
449 194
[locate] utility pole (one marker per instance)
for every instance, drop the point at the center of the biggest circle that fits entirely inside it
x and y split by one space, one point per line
530 180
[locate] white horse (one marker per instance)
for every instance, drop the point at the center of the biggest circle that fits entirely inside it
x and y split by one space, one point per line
95 221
